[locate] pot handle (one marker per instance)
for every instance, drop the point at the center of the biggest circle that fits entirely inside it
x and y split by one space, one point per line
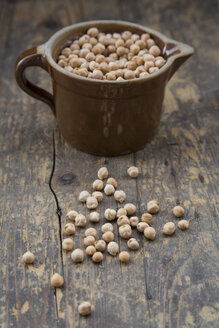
33 57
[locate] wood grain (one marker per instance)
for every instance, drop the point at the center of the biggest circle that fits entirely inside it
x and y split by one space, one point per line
170 282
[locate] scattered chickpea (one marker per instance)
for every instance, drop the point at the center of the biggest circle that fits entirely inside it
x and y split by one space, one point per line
153 206
90 250
120 212
72 215
28 258
130 208
94 217
125 231
178 211
69 229
80 220
150 233
91 232
109 189
124 256
100 245
98 185
134 221
183 224
133 172
107 227
57 280
97 257
91 202
89 240
108 236
98 195
113 248
84 308
168 228
102 173
110 214
132 243
119 196
68 244
146 217
112 182
122 220
141 226
83 196
77 255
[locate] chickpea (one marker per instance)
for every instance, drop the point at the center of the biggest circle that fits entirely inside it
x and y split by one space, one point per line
97 257
98 185
148 57
141 44
120 79
122 220
83 52
141 226
121 51
62 63
98 195
143 74
93 32
178 211
145 37
159 62
100 59
93 65
82 72
57 280
77 255
89 240
102 173
119 73
104 67
83 39
111 49
84 308
90 250
116 36
100 245
107 227
134 221
124 256
94 217
91 232
153 206
69 229
97 74
74 46
150 43
119 43
132 243
168 228
120 212
113 248
28 258
153 70
146 217
90 57
93 41
92 202
150 233
80 220
69 69
66 51
72 215
87 46
112 182
183 224
98 48
129 74
113 66
83 196
133 171
108 236
111 76
130 208
134 48
126 35
119 196
155 51
148 65
125 231
109 189
135 37
131 65
68 244
128 43
110 214
138 60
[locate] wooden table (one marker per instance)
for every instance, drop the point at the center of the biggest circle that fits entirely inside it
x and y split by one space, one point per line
170 282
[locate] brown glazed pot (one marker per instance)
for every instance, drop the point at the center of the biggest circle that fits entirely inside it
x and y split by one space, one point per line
100 116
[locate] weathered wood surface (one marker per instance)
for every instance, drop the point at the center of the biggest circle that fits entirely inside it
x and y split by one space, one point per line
171 282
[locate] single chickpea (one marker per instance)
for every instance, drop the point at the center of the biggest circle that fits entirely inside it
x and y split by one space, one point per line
89 240
122 220
75 52
68 244
134 221
77 255
153 206
148 57
183 224
159 62
120 79
108 236
93 65
141 44
102 173
144 74
120 212
135 37
122 62
98 195
93 32
75 62
83 39
148 65
91 232
121 51
129 42
87 46
125 231
131 65
84 52
90 250
129 74
69 69
84 308
146 217
105 40
110 214
100 59
141 226
126 35
140 69
104 67
97 257
113 56
130 55
124 256
145 37
119 196
150 233
84 65
133 171
155 51
62 63
72 215
112 182
90 57
98 185
66 51
134 48
97 74
107 227
110 76
93 41
178 211
111 49
130 208
98 48
113 248
91 203
74 46
94 217
109 189
57 280
116 36
83 196
150 43
100 245
168 228
80 220
119 73
138 60
28 258
119 43
153 70
82 72
113 66
132 243
69 229
63 57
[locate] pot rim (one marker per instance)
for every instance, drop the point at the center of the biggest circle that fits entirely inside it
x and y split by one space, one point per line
47 48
